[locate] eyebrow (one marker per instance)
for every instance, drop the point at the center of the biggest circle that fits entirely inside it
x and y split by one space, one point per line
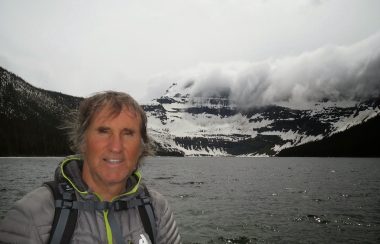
103 127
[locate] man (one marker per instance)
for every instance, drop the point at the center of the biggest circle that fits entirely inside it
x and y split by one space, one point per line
109 133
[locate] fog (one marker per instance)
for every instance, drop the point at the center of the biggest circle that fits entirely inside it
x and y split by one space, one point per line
332 73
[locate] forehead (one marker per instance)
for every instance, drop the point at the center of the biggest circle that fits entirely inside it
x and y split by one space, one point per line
108 113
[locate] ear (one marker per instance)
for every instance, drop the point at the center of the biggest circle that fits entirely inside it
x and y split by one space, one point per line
82 147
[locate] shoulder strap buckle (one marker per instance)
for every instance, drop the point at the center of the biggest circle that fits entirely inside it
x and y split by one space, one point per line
120 205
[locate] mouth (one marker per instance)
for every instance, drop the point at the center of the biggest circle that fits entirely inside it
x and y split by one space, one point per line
113 160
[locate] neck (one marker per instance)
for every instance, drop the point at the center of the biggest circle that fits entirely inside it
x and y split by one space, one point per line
109 192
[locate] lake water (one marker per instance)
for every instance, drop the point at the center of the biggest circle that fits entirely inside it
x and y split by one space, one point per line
246 200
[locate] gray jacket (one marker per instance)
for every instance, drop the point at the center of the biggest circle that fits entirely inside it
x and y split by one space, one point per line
30 219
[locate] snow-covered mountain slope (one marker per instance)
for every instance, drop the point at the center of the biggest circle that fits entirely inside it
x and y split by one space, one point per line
213 126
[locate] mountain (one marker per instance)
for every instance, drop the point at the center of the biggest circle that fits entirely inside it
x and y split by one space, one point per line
358 141
30 118
185 124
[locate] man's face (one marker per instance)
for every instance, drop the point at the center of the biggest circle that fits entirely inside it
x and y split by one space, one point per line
112 147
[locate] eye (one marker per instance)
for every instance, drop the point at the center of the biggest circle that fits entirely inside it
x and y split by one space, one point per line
128 132
103 130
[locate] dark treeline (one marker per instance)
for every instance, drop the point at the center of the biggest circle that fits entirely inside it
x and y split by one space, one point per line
358 141
31 138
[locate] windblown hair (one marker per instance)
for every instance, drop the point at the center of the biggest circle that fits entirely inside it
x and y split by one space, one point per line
80 119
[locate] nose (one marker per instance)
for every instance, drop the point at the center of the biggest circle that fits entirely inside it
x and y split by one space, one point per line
115 144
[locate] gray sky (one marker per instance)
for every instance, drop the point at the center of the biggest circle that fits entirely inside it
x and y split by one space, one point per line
79 47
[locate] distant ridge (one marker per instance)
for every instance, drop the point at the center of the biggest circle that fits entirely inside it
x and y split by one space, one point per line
30 117
358 141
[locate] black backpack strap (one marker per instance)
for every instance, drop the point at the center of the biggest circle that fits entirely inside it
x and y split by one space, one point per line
147 215
65 216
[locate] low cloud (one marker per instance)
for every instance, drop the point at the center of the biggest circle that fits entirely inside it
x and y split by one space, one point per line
332 73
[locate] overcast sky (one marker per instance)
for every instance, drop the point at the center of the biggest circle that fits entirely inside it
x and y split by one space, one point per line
79 47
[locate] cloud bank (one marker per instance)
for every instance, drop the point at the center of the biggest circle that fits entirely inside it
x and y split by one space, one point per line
332 73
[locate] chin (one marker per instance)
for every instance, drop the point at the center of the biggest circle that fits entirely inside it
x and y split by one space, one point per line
116 179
